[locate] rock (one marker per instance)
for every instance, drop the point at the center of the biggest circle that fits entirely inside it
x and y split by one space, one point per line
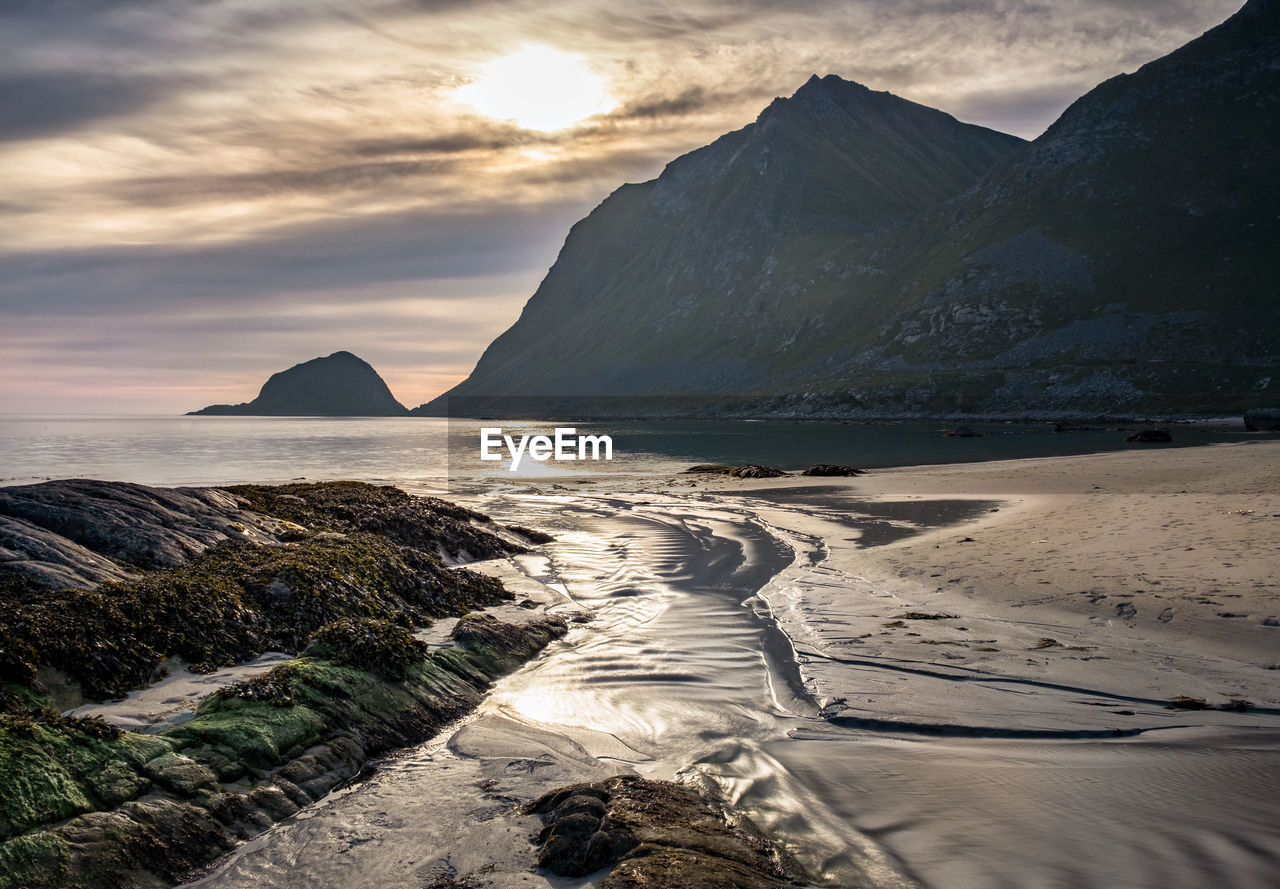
1262 419
117 783
340 385
136 525
427 523
210 560
750 470
1150 436
658 834
50 560
832 469
156 834
505 644
180 774
656 867
531 535
215 584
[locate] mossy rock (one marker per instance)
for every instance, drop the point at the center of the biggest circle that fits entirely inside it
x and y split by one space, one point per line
341 716
35 861
181 774
52 767
376 646
229 605
257 734
118 782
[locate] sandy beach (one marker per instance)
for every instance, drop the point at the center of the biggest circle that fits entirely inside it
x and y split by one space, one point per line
1009 676
972 687
1141 574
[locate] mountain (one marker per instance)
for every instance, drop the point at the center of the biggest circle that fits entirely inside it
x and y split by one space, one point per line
854 253
679 279
340 385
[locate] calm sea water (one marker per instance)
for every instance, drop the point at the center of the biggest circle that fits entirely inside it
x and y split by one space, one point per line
429 452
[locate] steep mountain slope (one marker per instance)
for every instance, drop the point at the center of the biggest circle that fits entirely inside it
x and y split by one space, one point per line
851 252
340 385
639 289
1127 260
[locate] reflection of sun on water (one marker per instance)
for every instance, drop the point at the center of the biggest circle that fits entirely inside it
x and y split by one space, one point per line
540 88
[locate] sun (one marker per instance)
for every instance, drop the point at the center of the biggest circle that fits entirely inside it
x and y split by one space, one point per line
540 88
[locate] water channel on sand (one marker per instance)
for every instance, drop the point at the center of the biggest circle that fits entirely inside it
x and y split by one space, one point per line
681 672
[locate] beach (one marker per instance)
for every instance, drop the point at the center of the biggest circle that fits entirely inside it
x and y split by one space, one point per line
902 729
1045 672
1084 597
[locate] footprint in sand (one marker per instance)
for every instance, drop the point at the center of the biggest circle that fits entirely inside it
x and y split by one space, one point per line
1126 611
1165 616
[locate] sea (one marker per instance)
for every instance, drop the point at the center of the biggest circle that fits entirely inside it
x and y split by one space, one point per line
433 454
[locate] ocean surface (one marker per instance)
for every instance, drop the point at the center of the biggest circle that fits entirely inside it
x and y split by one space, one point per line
430 453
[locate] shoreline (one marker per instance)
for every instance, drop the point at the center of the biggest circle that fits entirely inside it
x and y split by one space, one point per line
1170 549
1080 683
933 681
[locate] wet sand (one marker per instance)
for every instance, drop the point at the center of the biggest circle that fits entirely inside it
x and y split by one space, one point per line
971 690
1023 736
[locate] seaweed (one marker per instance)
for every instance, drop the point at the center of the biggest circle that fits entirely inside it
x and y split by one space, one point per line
227 605
375 646
421 522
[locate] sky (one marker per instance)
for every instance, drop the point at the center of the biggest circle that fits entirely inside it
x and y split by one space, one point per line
195 194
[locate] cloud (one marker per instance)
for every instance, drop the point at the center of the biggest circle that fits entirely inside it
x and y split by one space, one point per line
312 260
189 185
41 105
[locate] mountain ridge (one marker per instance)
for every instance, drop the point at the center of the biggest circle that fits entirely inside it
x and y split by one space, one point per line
812 264
724 211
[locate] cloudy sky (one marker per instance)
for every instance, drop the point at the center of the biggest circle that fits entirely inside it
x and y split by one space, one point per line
197 193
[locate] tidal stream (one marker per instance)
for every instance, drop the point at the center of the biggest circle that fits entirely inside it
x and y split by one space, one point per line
681 672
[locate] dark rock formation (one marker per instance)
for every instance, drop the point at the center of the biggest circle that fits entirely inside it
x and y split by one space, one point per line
217 576
853 254
92 807
657 835
1150 436
125 525
530 534
80 532
223 588
750 470
833 470
340 385
1262 419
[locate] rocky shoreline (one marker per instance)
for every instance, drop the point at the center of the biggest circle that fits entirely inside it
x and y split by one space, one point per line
102 583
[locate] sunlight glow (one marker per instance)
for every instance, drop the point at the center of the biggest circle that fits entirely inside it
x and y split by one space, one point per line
540 88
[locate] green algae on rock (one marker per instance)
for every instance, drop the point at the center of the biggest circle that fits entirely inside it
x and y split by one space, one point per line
144 810
338 572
